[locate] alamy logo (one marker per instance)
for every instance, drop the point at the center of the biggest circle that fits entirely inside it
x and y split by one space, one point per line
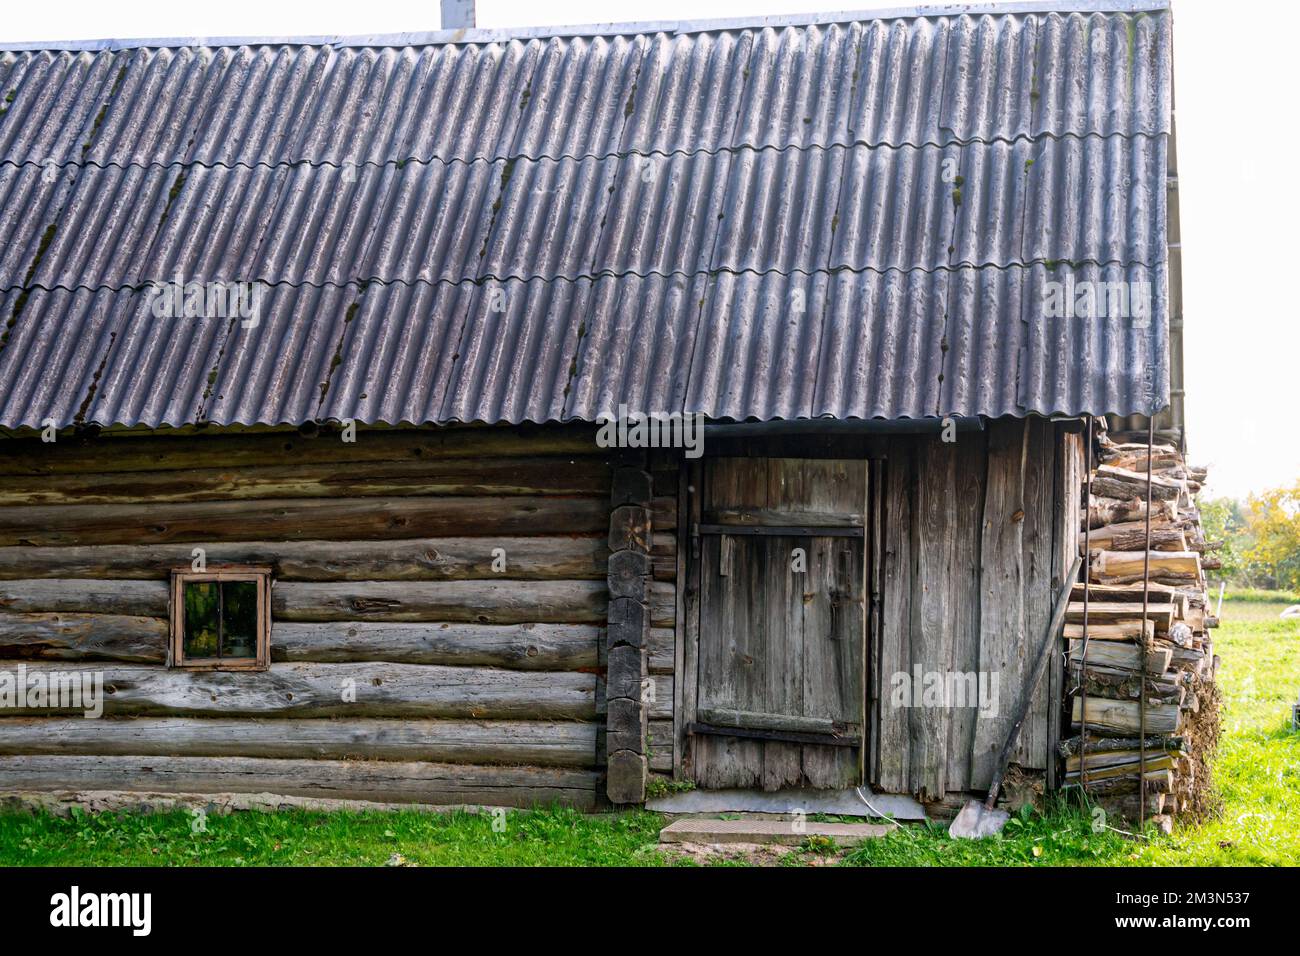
52 690
74 908
943 689
651 430
179 299
1085 299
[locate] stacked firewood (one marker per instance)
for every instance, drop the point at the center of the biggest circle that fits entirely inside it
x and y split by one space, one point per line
1161 660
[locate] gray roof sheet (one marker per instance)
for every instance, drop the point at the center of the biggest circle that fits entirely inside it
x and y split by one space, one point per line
852 218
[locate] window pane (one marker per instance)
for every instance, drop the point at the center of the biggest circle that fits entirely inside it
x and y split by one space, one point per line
239 619
201 611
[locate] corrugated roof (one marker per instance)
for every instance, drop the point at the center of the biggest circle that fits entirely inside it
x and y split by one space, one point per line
852 218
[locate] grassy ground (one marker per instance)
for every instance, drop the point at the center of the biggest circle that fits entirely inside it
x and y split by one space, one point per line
556 838
1258 776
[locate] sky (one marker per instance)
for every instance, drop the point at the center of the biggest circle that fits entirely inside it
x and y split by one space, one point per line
1238 190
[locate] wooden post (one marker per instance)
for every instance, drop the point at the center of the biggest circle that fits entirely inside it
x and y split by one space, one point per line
628 629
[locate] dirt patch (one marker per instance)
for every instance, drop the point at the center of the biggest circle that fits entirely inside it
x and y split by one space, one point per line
749 854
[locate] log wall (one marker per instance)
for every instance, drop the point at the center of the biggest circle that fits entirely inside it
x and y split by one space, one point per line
405 668
382 555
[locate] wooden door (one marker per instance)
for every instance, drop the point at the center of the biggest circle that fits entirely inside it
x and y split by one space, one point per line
782 626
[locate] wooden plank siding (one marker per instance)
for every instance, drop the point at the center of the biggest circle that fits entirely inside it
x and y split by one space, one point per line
1068 492
406 665
890 728
975 544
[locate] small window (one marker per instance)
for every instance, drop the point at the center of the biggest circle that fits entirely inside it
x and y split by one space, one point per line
221 619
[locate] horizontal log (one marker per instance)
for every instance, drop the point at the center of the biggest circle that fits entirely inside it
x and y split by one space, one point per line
1113 612
143 640
1121 631
383 780
1160 521
750 720
1121 716
660 737
663 553
1190 659
414 476
1123 656
538 742
1133 455
1112 482
1157 781
662 648
1072 746
566 557
71 637
331 690
486 602
1126 567
1163 539
659 706
300 519
1123 684
1185 654
663 604
83 596
518 646
135 453
1128 593
1108 487
1115 758
483 602
1105 511
1155 763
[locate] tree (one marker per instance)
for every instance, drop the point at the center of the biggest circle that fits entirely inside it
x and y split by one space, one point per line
1223 520
1273 522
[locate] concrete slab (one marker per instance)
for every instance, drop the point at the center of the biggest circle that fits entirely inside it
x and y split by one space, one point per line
841 803
780 832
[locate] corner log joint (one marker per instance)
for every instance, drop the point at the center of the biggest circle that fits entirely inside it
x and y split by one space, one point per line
628 630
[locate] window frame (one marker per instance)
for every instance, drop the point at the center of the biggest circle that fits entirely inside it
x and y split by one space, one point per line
261 577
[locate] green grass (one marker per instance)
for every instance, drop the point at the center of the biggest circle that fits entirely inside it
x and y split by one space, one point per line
300 838
1239 596
1258 776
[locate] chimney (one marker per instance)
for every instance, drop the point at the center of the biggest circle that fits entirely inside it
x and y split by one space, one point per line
457 14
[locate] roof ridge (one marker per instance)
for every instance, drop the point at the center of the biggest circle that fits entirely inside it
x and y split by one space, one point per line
501 34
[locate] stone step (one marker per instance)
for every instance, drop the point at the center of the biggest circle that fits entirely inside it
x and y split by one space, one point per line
851 802
781 832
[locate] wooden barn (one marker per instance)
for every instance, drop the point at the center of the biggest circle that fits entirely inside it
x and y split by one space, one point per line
516 417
